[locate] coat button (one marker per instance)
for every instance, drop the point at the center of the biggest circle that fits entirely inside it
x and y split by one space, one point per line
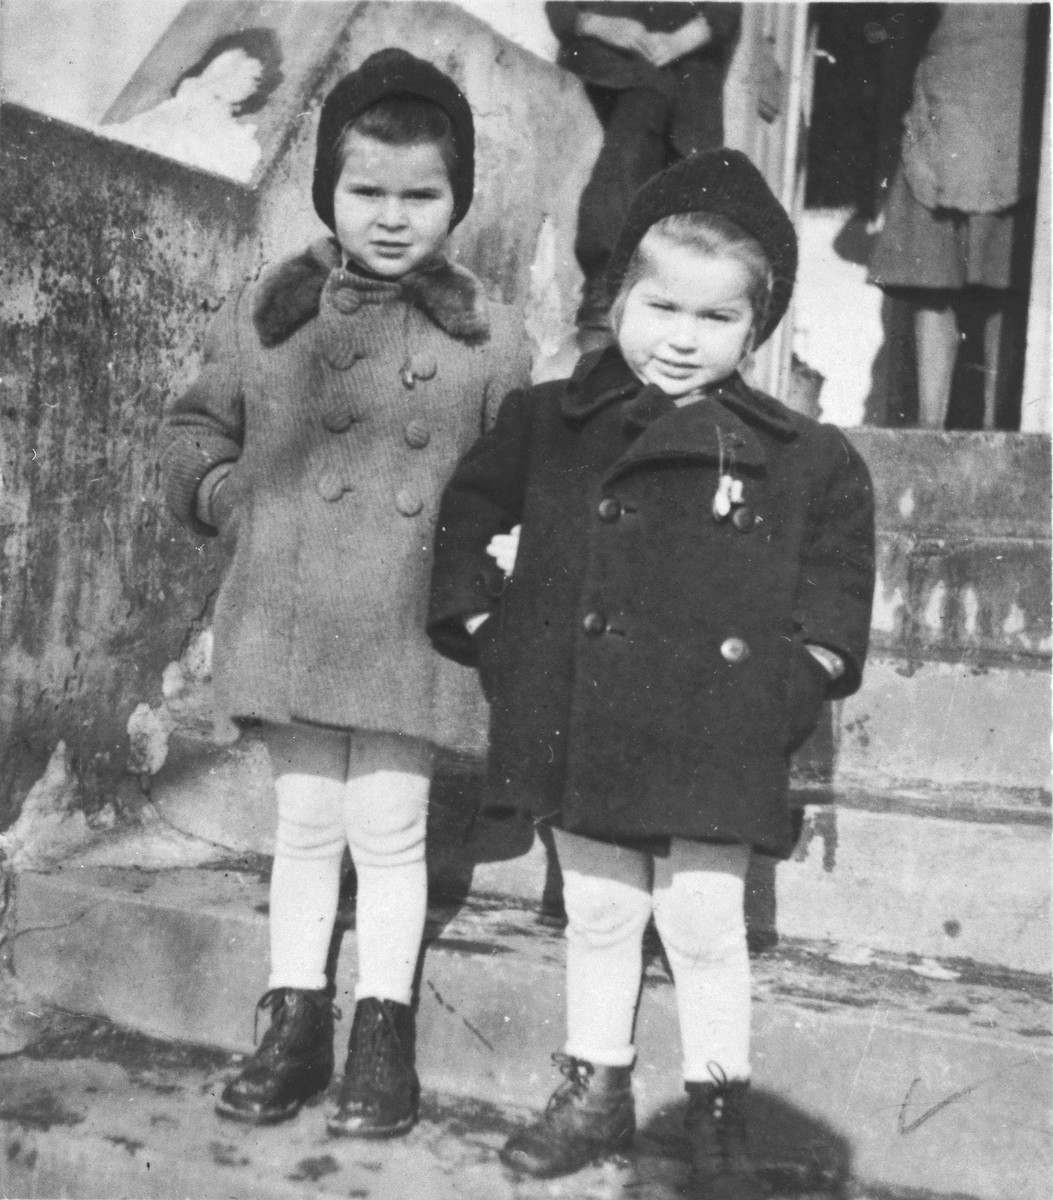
338 420
423 366
594 624
418 366
609 510
744 518
417 435
330 486
408 502
734 650
341 353
345 300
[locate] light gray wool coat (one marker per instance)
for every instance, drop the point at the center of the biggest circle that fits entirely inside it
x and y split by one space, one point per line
316 441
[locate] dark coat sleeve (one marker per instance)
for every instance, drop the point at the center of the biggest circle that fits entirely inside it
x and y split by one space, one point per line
836 587
484 497
205 426
724 20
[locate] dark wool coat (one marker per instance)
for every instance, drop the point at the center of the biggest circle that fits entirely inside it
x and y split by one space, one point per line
343 405
694 83
645 662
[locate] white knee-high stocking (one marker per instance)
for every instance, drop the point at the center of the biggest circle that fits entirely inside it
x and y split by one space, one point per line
305 880
385 809
698 909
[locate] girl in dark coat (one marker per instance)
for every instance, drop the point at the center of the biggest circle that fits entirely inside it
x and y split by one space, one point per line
693 578
336 397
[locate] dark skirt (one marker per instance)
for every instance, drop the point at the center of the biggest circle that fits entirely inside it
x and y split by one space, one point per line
944 248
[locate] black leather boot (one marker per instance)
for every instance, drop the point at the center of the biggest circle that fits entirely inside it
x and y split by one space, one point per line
715 1123
380 1094
589 1116
292 1063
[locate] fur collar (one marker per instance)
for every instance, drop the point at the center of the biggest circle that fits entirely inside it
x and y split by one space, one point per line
289 294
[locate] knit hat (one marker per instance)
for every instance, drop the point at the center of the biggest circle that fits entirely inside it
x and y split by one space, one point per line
392 72
723 182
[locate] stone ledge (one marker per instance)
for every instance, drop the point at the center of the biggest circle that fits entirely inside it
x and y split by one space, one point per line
964 483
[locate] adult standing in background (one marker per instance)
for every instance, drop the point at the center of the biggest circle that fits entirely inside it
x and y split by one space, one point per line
655 75
960 214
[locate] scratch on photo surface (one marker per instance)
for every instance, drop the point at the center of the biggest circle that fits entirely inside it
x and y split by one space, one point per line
954 1097
862 1059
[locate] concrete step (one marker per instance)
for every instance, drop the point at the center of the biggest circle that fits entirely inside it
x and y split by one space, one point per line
892 865
955 728
910 1073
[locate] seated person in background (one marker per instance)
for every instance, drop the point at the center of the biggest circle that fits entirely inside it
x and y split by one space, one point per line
655 75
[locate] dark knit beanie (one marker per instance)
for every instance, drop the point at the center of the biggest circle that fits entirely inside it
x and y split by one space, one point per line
392 72
726 183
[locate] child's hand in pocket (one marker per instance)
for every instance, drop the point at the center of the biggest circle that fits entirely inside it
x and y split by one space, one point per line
503 548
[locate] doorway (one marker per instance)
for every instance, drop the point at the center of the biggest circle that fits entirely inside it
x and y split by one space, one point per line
866 58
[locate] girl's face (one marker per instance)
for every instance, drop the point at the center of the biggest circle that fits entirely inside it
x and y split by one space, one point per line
688 321
392 205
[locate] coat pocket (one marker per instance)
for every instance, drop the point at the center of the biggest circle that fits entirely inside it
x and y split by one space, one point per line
805 694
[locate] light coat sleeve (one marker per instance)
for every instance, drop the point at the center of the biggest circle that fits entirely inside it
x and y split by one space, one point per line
205 426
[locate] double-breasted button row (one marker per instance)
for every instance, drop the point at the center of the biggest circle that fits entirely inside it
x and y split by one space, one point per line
330 486
340 420
732 649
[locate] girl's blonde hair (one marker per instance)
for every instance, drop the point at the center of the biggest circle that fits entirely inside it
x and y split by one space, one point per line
712 235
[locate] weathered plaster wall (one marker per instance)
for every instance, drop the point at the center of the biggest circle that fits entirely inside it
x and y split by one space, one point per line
109 264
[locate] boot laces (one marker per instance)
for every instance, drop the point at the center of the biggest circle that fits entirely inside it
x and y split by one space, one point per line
578 1073
376 1049
728 1121
275 998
